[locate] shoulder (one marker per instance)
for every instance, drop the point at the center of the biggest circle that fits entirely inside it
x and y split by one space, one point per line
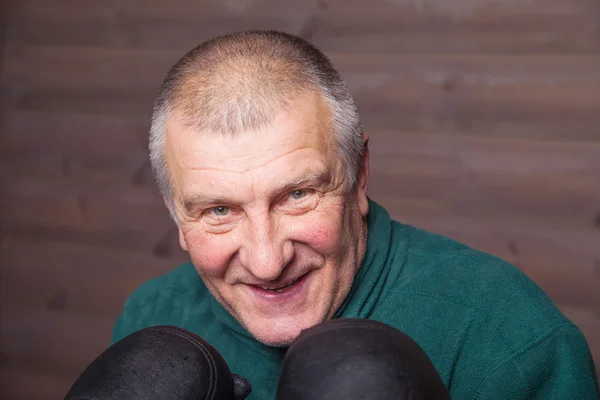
504 326
497 293
165 300
183 281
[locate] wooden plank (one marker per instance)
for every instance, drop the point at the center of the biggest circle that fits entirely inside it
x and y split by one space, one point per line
541 206
560 197
485 26
131 219
461 11
103 69
102 102
386 26
504 155
506 184
449 77
565 284
520 96
96 68
62 22
474 68
550 183
186 9
53 343
89 30
435 144
531 157
535 96
86 135
39 9
98 81
188 24
525 107
553 199
32 188
550 255
71 9
570 241
149 24
505 235
120 236
76 169
394 152
24 383
69 277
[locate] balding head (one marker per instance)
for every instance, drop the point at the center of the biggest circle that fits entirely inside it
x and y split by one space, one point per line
239 82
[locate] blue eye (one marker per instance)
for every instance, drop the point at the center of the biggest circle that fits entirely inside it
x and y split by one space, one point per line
298 194
221 211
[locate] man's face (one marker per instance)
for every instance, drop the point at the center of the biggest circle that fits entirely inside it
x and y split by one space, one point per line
268 221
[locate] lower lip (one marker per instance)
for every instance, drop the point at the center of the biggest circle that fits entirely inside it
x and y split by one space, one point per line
287 294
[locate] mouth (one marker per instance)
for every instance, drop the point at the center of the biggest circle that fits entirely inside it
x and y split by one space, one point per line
289 291
280 288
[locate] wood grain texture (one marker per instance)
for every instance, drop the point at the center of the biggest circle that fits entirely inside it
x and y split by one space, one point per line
69 277
17 383
465 26
52 344
483 117
84 135
401 25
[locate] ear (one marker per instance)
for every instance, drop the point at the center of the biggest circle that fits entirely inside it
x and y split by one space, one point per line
182 242
363 178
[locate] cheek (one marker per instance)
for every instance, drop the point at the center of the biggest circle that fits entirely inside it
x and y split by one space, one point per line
210 254
322 232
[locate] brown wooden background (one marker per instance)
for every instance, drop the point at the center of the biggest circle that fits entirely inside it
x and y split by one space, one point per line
485 124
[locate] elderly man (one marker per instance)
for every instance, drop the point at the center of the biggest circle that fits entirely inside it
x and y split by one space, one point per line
261 157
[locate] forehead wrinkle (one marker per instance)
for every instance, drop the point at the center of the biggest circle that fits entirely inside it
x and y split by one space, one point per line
309 174
250 168
319 140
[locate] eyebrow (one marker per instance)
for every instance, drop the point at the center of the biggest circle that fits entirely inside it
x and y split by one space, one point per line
313 178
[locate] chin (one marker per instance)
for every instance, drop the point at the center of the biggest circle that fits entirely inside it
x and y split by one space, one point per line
280 332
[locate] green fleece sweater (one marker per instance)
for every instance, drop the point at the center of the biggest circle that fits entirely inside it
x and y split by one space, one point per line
489 330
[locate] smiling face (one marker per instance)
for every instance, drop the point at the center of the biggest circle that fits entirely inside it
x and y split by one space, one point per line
268 220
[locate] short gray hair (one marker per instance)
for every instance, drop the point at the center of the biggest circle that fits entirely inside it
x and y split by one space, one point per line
238 82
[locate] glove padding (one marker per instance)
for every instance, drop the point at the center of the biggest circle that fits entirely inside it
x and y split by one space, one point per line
159 363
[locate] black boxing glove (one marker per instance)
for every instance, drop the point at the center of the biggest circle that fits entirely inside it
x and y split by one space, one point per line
159 363
352 359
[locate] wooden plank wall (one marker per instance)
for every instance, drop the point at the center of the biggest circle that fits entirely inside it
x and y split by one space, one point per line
484 117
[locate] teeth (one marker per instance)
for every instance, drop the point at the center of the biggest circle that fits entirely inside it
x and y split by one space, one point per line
278 288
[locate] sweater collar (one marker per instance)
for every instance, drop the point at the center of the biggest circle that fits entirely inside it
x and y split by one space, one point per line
374 270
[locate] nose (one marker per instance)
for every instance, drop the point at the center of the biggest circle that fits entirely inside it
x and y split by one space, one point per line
267 250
